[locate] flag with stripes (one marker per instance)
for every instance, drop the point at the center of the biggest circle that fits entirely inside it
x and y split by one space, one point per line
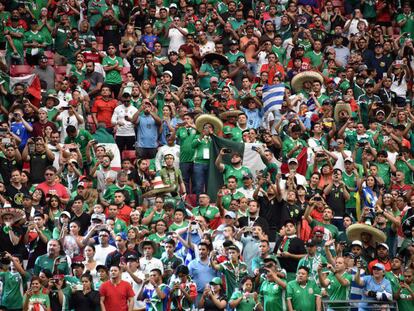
273 97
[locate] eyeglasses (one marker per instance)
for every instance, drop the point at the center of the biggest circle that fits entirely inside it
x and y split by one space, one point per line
49 174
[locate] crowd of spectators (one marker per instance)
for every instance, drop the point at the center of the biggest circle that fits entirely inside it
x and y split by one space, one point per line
117 116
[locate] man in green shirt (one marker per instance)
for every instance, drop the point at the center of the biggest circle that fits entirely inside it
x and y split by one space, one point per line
161 27
201 145
52 260
405 20
302 293
338 281
34 43
112 65
292 144
185 135
13 282
405 294
236 168
205 209
233 269
312 260
14 35
273 287
80 138
231 193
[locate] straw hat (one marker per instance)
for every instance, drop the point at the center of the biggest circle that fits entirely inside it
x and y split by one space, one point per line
158 187
341 107
15 212
354 233
230 113
300 78
209 119
209 57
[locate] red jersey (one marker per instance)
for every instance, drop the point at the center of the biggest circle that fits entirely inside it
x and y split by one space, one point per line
104 110
57 189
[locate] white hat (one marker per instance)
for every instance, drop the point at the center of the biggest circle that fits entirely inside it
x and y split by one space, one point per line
167 72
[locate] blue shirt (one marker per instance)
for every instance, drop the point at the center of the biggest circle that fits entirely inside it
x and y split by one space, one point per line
20 130
371 285
254 117
201 273
149 41
147 132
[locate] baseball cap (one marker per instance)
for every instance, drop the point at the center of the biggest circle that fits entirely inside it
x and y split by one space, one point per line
292 160
382 245
99 267
356 243
173 5
167 72
132 257
380 111
247 176
349 159
67 214
378 266
100 217
216 281
234 247
230 214
271 258
82 184
77 261
227 130
122 235
213 79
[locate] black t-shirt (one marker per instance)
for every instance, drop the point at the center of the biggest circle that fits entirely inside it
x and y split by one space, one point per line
114 258
5 243
40 162
296 247
177 70
16 195
210 306
259 221
80 302
6 166
335 199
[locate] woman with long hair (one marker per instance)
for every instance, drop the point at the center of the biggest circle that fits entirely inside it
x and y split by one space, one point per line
85 298
186 61
54 207
370 192
35 299
134 239
71 239
63 221
90 262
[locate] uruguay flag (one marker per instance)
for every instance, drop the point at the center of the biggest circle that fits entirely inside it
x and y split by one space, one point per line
273 97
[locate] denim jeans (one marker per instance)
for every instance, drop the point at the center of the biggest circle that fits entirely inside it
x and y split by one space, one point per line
200 178
187 169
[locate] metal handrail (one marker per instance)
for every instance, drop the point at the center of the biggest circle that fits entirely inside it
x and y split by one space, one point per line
372 305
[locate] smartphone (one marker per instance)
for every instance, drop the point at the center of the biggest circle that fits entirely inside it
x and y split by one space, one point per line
6 141
254 148
324 265
226 150
94 141
384 75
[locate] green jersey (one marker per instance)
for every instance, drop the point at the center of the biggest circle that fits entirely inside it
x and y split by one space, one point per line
408 27
18 42
402 166
303 297
350 182
330 230
226 199
232 57
315 59
110 193
272 296
34 37
113 76
45 262
13 288
120 226
162 30
246 304
384 171
406 301
289 143
39 300
174 226
312 264
239 173
208 212
233 275
82 140
185 137
336 291
201 147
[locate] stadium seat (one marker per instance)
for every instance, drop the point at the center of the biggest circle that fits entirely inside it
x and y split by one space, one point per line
20 70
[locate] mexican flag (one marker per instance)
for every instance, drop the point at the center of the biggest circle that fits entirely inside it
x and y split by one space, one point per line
107 140
251 159
32 83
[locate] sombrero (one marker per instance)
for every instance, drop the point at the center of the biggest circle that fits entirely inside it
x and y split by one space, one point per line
340 107
354 233
209 57
297 81
158 187
147 242
15 212
230 113
246 100
211 119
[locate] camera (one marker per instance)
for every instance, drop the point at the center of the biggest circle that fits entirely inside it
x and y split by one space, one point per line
226 150
324 265
263 270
